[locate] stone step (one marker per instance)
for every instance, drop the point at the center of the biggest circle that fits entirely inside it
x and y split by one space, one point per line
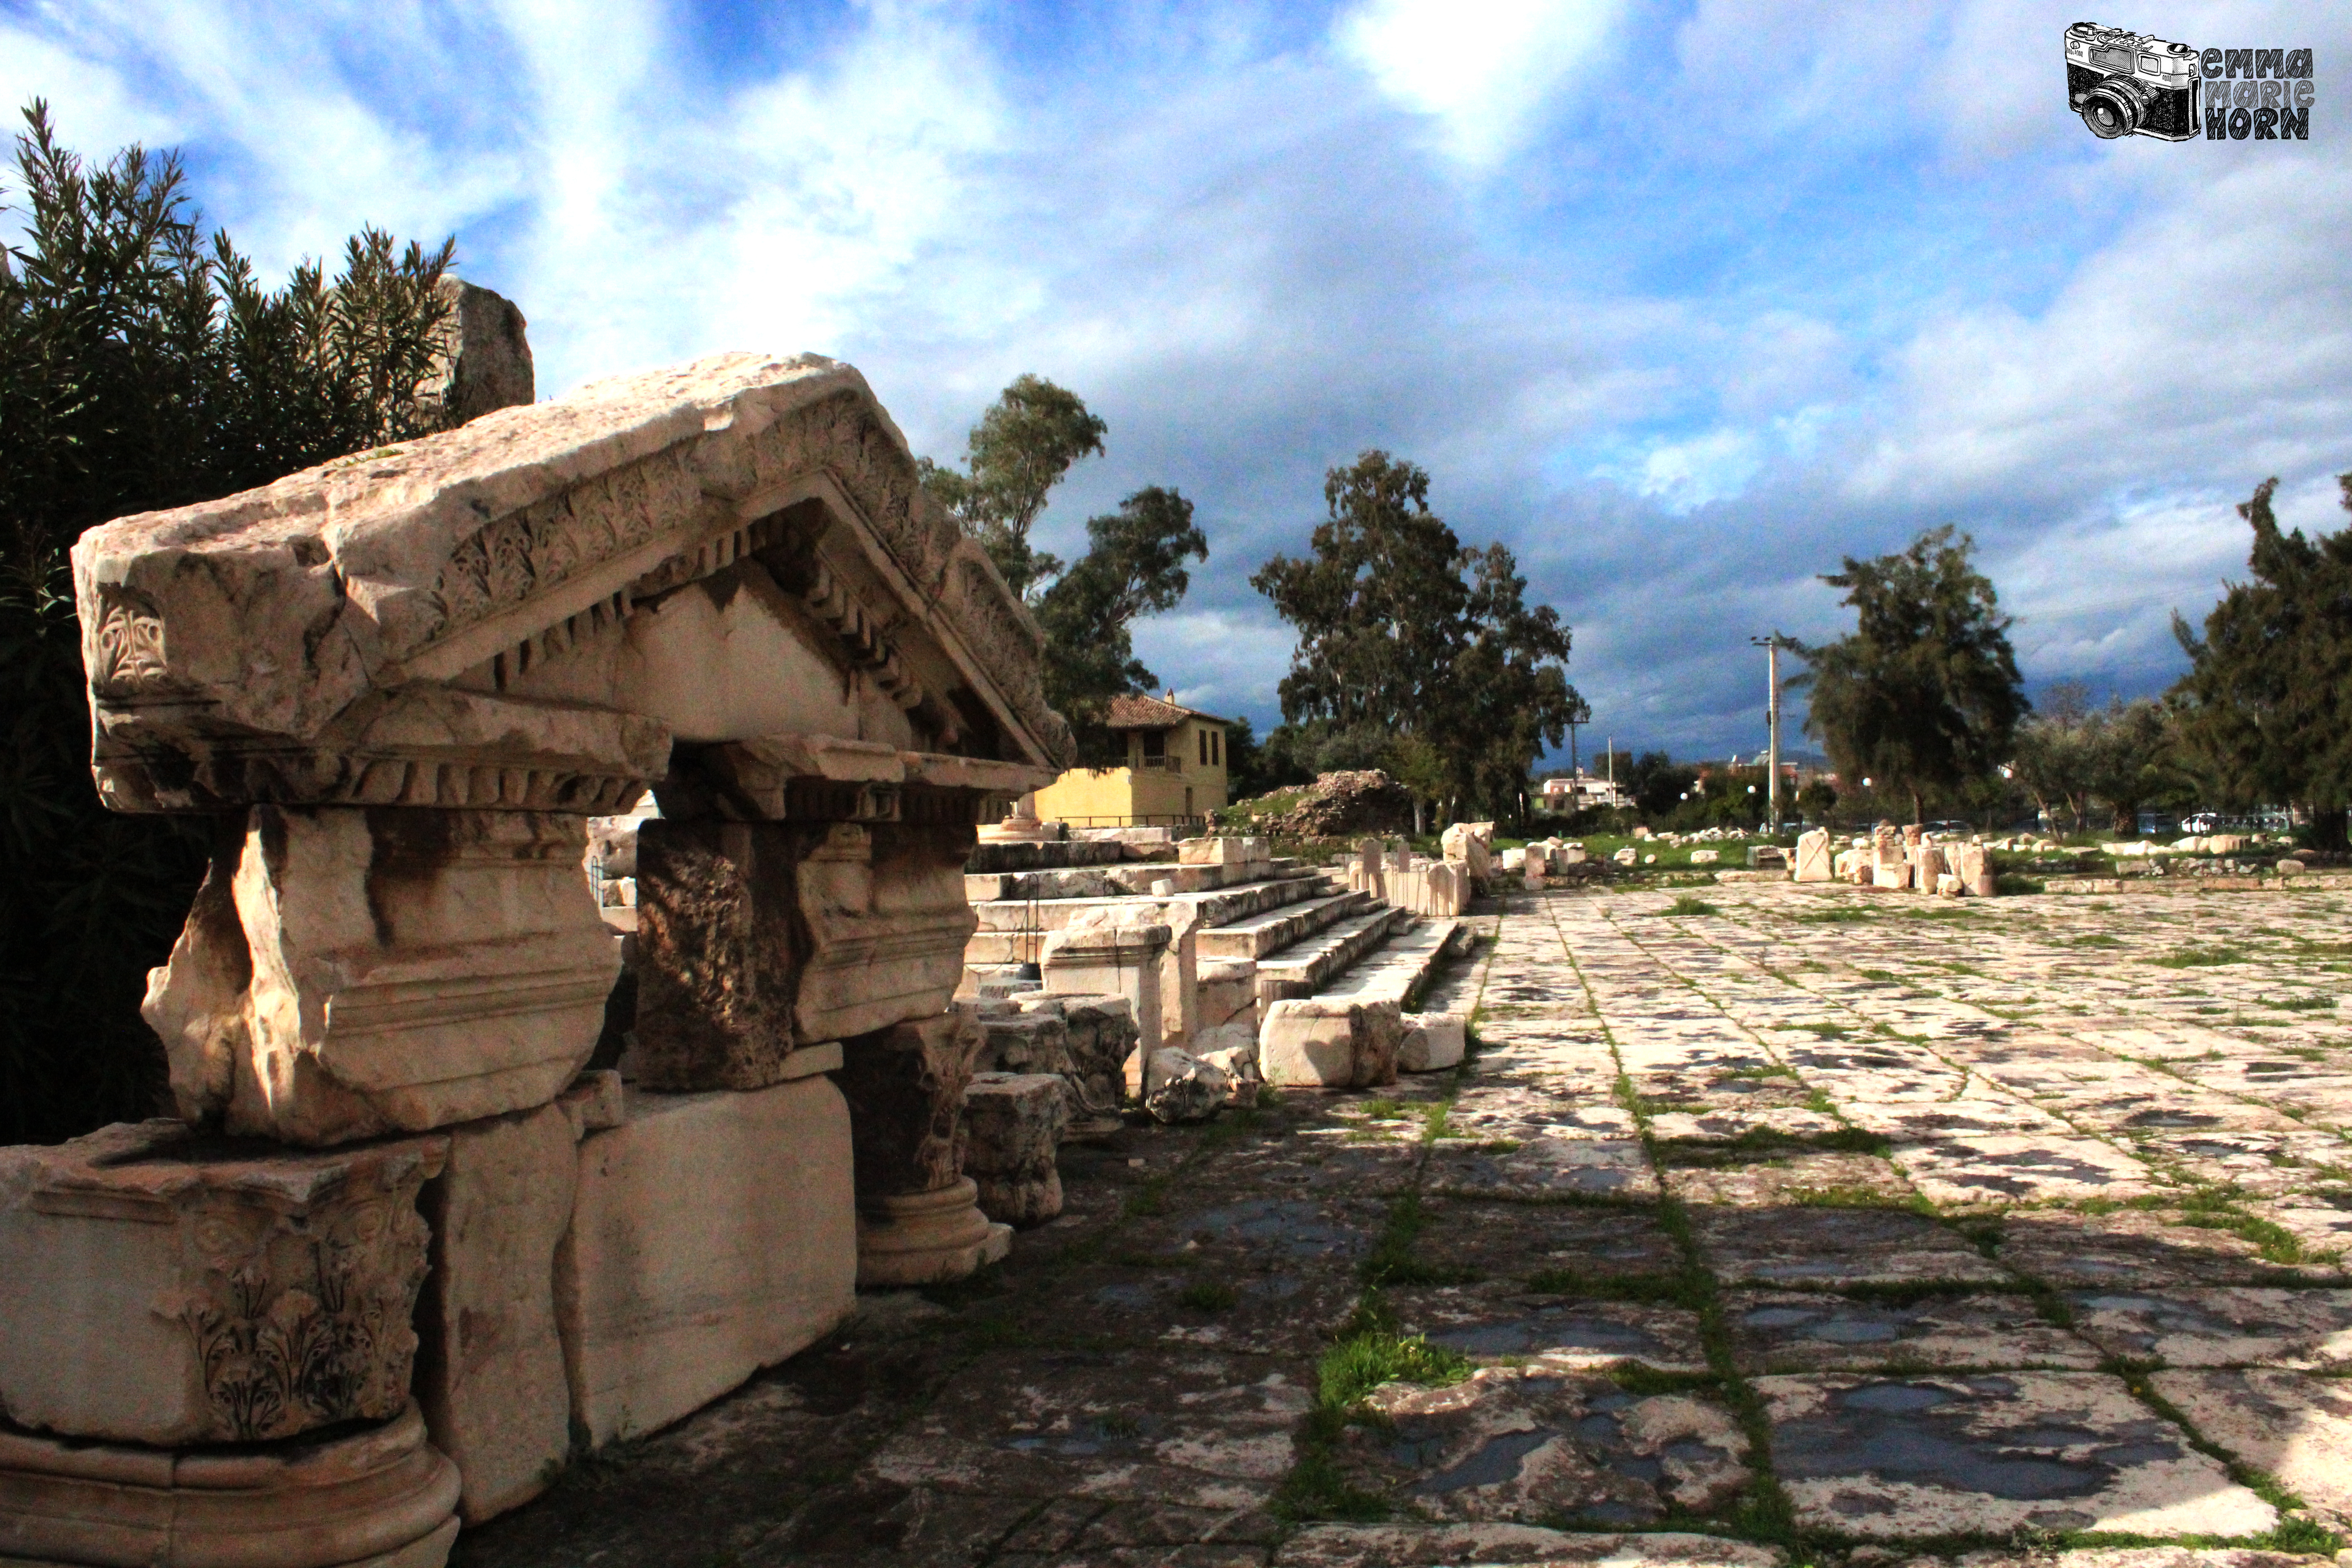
1220 906
1133 879
1308 966
1260 935
1396 971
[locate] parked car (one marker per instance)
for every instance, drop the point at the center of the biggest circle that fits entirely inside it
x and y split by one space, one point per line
1941 829
2201 822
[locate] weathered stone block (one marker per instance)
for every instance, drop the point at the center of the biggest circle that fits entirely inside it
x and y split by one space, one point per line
349 972
1318 1043
1012 1125
1108 955
1021 1042
713 1235
1813 864
376 1498
1185 1089
489 1370
905 1086
168 1289
1432 1042
1227 989
1102 1036
757 938
1221 851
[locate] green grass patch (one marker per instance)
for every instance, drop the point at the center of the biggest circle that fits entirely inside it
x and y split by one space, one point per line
2200 957
1881 976
1684 904
1391 1259
2303 1004
1208 1296
2009 884
1369 1352
1845 914
1825 1031
2096 938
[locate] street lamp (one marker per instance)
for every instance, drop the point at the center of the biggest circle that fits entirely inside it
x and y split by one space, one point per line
1772 645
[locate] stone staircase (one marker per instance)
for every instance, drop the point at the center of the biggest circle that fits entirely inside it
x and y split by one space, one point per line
1261 931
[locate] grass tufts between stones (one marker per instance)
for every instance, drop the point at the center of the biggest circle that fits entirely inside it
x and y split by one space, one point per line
1684 904
1369 1352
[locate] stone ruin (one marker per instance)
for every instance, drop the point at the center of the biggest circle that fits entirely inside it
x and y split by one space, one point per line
1899 859
411 1230
1229 966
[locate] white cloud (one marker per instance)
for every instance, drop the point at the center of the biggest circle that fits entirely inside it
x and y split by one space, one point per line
1484 71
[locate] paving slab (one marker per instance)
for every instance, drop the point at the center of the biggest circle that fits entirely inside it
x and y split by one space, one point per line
1992 1453
1596 1242
2067 1250
1429 1545
1532 1445
2002 1169
1787 1331
1502 1321
1788 1177
1832 1247
2222 1326
1192 1427
2296 1427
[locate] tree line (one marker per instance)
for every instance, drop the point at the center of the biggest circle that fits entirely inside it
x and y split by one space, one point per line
1924 698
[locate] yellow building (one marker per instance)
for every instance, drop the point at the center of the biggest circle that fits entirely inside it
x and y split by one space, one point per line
1175 771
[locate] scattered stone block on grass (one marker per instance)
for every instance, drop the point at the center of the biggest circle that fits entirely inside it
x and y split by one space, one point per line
1889 1458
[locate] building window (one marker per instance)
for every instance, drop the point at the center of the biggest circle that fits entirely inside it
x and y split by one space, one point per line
1204 737
1217 747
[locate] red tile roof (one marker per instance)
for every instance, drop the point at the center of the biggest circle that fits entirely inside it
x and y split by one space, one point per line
1152 713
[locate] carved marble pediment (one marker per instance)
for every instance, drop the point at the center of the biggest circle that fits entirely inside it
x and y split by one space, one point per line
525 612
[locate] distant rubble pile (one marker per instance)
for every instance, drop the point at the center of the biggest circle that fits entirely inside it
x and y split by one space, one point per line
1342 805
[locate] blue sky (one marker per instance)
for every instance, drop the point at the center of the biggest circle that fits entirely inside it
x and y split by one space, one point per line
1684 301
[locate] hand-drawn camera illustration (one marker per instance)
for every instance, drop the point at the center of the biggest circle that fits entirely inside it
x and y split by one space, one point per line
2124 83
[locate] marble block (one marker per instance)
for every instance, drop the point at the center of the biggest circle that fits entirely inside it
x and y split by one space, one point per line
489 1367
376 1498
1312 1042
1105 955
167 1289
1432 1042
1012 1125
1223 851
1101 1037
1813 863
756 937
713 1235
349 972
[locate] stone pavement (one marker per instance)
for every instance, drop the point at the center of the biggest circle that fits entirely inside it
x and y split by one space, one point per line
1812 1225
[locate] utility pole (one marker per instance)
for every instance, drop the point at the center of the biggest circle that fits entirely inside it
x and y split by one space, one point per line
1772 645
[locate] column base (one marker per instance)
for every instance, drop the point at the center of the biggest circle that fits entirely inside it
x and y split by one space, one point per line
926 1238
378 1499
